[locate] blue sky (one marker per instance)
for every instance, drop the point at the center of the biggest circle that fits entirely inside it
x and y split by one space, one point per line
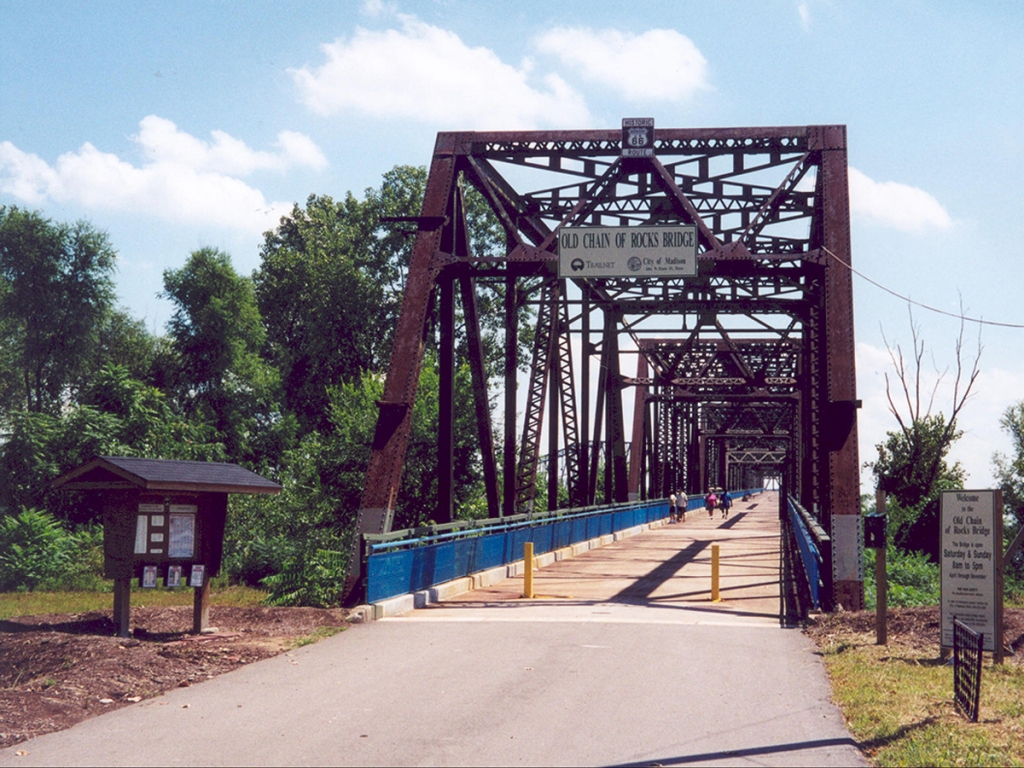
174 126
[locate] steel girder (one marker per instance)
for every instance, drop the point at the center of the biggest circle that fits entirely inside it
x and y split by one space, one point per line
772 302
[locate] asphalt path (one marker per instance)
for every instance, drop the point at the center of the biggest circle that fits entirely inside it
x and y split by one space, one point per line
621 659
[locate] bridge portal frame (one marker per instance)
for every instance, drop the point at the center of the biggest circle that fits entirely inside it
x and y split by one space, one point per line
773 259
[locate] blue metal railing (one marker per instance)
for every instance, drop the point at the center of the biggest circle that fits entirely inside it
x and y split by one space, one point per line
409 563
810 539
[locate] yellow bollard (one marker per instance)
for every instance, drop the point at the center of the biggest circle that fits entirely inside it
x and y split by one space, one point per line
714 574
528 569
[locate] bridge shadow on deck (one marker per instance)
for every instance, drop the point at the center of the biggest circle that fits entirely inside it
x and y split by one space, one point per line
641 589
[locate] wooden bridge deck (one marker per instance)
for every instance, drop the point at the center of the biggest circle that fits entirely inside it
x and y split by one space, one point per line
670 566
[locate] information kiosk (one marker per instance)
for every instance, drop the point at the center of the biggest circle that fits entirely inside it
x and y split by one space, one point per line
162 519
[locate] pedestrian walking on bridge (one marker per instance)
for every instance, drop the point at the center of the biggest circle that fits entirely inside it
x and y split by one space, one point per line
673 510
725 502
709 503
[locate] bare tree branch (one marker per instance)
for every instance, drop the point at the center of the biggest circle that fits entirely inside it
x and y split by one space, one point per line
921 457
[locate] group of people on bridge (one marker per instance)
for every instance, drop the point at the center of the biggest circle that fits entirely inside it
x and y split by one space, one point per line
716 498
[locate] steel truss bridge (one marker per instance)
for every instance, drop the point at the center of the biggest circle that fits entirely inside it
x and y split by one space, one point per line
740 373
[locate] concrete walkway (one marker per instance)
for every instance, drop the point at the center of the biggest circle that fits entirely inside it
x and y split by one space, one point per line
621 660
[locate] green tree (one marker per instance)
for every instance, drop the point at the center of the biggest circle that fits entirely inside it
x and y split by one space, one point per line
144 422
218 376
124 341
911 466
418 495
1009 472
296 544
117 416
346 450
329 288
1010 469
56 290
324 312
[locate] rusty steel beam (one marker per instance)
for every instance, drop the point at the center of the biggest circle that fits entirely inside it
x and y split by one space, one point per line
391 435
575 456
839 395
544 349
508 496
616 474
481 402
636 447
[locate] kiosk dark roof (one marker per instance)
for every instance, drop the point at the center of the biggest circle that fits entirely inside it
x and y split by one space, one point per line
115 472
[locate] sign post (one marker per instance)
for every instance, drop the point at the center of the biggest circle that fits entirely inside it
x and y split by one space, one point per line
971 546
875 538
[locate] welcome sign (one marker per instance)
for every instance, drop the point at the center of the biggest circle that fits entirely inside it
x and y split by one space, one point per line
971 545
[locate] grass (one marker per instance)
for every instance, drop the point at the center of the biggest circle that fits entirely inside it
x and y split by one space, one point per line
898 702
316 635
14 604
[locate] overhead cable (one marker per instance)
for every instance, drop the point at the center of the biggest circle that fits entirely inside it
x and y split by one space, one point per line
918 303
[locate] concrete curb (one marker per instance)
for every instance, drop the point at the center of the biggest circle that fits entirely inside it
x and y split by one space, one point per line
396 606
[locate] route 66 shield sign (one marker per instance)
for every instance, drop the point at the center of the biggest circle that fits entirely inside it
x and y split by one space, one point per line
637 136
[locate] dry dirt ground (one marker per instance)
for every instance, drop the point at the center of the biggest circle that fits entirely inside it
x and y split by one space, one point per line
59 669
913 628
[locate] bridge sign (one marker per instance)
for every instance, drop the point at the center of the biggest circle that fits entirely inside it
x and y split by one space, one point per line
669 251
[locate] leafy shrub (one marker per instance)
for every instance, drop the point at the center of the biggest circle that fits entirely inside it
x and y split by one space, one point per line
249 561
38 553
84 571
313 577
912 579
34 548
293 545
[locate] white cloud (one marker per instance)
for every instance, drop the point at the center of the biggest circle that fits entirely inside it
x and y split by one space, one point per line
377 8
658 64
421 72
184 178
805 15
25 176
906 208
163 141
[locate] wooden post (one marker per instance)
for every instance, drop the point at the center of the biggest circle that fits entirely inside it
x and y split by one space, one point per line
201 606
122 604
881 582
997 533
